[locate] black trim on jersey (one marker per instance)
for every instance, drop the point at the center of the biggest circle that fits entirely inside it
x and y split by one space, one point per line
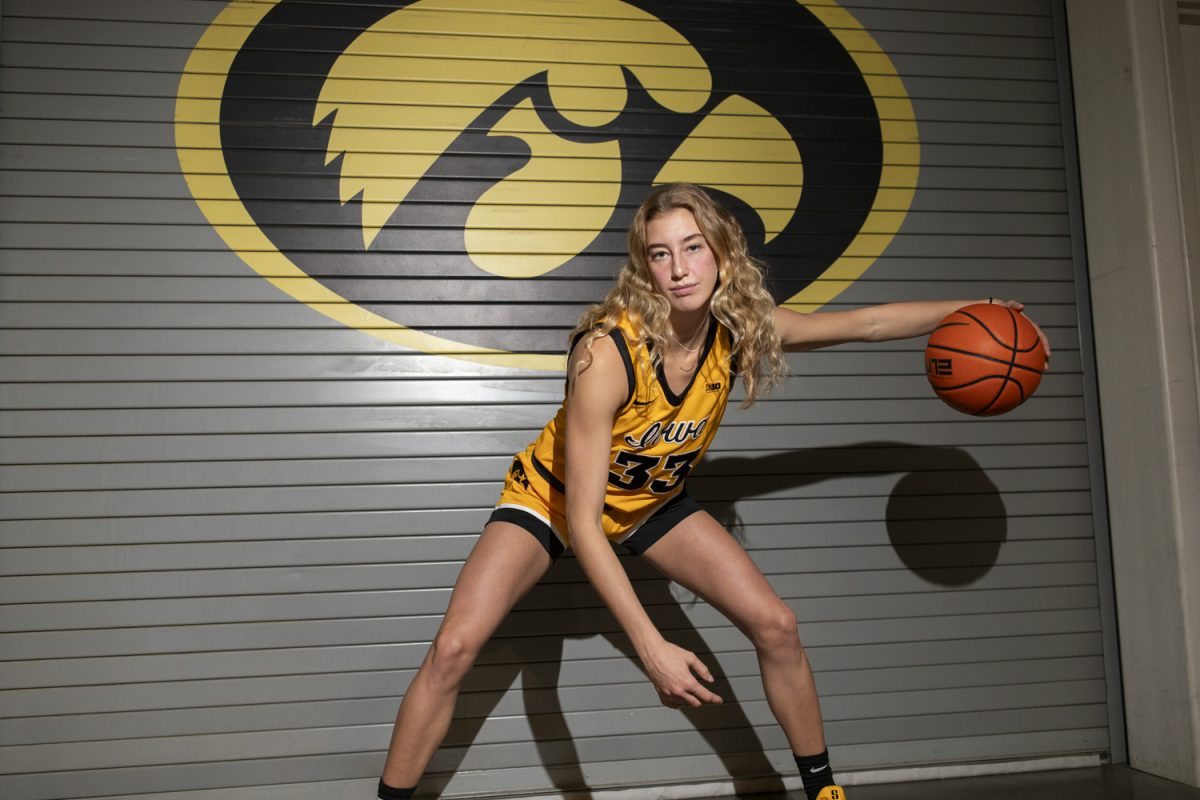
677 399
540 530
571 352
661 522
548 476
552 479
622 348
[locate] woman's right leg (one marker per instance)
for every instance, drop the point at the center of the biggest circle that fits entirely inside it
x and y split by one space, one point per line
505 564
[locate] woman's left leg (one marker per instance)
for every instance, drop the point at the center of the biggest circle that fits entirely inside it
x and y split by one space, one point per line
700 555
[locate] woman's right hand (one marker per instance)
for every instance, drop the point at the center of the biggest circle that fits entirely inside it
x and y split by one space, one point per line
595 395
674 672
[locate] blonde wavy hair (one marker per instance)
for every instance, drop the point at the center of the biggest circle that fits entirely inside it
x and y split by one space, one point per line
740 301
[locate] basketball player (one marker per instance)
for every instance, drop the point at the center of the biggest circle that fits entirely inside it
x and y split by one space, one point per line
649 375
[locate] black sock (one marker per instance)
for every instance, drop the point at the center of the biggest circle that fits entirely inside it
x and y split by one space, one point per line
392 793
815 772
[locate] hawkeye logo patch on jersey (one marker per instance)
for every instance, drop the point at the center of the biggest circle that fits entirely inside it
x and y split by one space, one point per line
399 165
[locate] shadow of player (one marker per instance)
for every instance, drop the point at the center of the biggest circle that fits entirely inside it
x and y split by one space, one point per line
945 520
530 646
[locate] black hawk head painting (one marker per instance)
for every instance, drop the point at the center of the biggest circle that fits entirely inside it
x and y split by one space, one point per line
459 181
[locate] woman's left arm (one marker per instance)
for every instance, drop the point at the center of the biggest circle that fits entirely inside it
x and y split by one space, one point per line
873 323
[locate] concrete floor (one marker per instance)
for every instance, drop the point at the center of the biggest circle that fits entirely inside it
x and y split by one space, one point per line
1098 783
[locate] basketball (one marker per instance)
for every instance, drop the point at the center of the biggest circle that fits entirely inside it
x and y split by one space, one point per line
985 359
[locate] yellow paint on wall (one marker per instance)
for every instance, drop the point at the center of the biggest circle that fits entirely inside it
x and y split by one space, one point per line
741 149
899 128
445 88
203 164
498 232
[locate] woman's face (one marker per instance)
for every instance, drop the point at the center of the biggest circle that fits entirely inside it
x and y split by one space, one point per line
682 263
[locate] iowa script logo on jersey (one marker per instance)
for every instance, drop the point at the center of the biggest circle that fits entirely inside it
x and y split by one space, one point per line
399 166
673 432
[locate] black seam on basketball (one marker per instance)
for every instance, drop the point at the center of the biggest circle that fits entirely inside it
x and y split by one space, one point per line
1013 347
983 325
968 384
1012 361
948 349
1004 381
980 412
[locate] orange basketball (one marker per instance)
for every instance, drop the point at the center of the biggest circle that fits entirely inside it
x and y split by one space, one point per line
985 359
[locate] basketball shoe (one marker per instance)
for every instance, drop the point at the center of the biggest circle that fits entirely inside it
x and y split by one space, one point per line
832 793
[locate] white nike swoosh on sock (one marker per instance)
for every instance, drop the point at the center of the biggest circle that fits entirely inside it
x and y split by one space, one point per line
820 768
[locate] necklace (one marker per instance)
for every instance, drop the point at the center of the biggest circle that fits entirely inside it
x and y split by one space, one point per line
682 345
699 339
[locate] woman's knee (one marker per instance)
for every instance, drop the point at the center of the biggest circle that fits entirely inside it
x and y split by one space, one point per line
775 629
451 656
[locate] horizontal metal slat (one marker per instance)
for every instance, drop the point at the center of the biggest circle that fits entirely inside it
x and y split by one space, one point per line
740 669
99 671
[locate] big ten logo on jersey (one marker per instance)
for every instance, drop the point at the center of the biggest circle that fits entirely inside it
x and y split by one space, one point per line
395 164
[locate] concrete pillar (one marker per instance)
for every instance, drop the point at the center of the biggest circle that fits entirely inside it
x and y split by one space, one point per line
1140 212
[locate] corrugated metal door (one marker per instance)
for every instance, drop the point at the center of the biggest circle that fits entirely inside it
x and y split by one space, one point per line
284 286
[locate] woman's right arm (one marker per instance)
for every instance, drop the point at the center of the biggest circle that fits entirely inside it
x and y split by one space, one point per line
594 398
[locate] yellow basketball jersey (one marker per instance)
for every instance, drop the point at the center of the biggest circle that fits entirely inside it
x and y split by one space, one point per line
657 439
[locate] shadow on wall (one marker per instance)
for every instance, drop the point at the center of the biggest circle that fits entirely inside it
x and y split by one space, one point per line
529 646
945 519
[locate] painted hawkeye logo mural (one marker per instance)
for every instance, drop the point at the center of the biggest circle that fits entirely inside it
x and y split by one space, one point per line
435 172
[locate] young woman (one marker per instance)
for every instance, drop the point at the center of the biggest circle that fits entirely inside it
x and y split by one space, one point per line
649 375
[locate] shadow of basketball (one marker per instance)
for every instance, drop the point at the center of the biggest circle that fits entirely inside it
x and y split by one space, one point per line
947 523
